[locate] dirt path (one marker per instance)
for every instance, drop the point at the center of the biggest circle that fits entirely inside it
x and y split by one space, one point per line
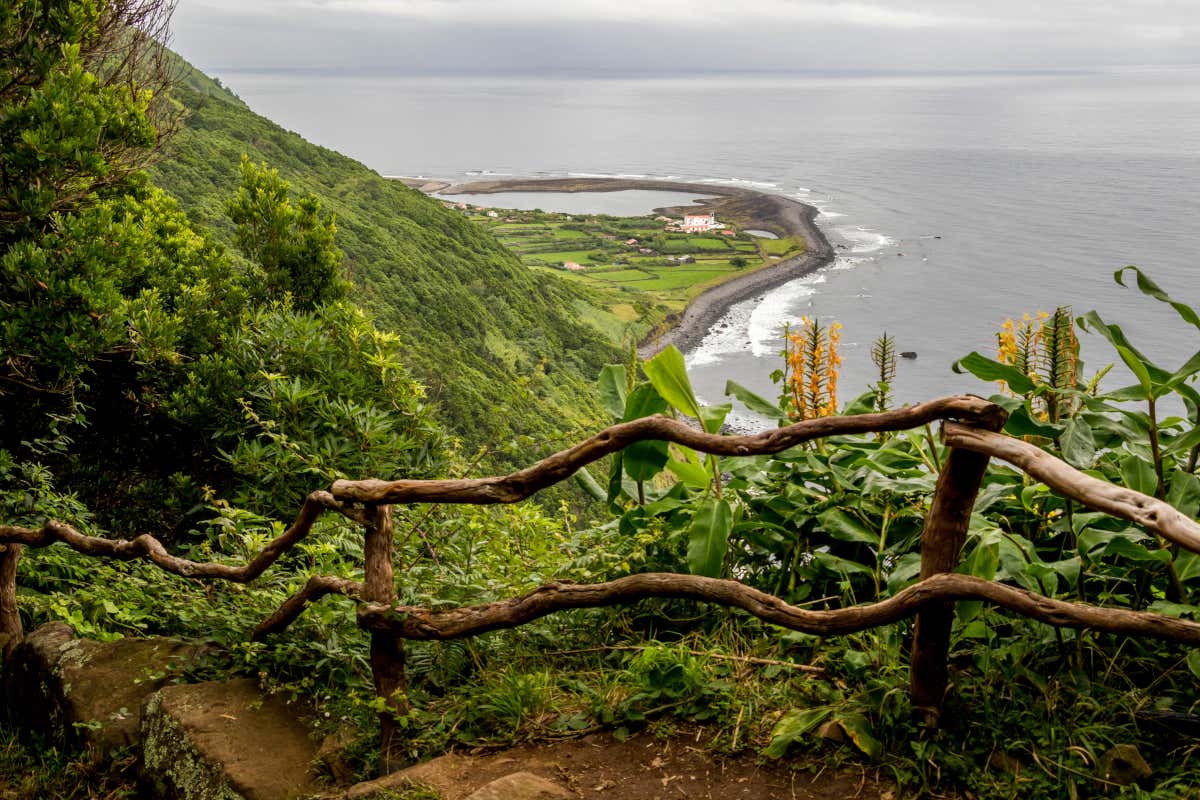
747 208
644 768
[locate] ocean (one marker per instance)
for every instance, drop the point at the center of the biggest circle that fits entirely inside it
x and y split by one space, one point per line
956 201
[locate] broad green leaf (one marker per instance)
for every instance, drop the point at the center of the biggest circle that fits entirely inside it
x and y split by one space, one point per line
1138 474
839 565
1135 552
690 468
983 561
695 476
1138 368
792 726
611 389
858 728
1183 443
668 373
863 404
989 369
847 527
1078 443
1187 565
753 402
643 460
1022 423
976 629
1092 540
1181 610
614 478
1091 321
708 537
713 417
589 484
1186 371
1151 289
1193 662
1184 493
644 401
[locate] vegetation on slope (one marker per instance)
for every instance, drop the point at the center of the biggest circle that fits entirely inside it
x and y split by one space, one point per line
497 345
153 378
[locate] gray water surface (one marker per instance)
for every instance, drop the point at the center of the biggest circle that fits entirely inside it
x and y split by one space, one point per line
1039 187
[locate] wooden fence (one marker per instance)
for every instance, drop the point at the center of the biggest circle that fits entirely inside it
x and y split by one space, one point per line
970 427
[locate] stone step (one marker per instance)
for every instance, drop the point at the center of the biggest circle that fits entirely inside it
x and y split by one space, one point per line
82 693
225 741
457 777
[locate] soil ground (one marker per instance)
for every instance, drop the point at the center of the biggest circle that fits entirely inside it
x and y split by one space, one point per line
644 767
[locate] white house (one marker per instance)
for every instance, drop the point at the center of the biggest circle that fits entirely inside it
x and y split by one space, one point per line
699 223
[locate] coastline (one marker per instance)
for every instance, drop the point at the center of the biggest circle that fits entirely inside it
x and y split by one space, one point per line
749 208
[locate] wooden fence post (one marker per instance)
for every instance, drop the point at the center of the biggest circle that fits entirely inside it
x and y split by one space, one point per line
387 652
11 632
942 541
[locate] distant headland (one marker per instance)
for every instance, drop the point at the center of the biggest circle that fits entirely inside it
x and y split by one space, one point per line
749 209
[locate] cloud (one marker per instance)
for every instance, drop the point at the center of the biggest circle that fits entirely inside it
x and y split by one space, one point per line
423 36
682 12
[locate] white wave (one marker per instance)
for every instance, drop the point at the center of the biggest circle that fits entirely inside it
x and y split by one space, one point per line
775 309
741 182
848 262
728 336
803 190
862 240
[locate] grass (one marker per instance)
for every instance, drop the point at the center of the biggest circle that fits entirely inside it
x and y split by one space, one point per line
616 271
781 247
36 770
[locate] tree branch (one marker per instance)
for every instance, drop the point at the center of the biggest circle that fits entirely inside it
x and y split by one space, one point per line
409 622
560 466
317 587
146 546
1154 515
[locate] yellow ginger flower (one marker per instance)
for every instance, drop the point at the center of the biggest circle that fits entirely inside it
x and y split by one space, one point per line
812 361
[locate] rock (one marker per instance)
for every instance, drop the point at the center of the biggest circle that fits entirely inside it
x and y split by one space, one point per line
224 741
438 775
520 786
332 755
1123 764
83 693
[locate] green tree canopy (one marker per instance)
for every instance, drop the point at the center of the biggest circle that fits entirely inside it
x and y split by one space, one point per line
292 242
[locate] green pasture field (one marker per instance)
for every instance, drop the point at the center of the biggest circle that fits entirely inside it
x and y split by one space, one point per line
622 273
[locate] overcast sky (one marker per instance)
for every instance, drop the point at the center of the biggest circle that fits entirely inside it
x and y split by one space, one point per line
656 36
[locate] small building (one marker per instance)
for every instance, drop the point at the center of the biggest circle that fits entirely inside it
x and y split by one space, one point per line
728 232
462 206
631 242
646 251
492 214
572 266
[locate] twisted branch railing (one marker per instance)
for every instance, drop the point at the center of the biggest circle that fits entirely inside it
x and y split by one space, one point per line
970 429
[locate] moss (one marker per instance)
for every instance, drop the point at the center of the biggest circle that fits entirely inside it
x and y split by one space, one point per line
172 766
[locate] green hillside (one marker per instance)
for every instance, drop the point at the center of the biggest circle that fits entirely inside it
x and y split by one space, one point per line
494 342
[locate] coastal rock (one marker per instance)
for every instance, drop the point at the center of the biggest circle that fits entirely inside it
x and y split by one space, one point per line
224 741
83 693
